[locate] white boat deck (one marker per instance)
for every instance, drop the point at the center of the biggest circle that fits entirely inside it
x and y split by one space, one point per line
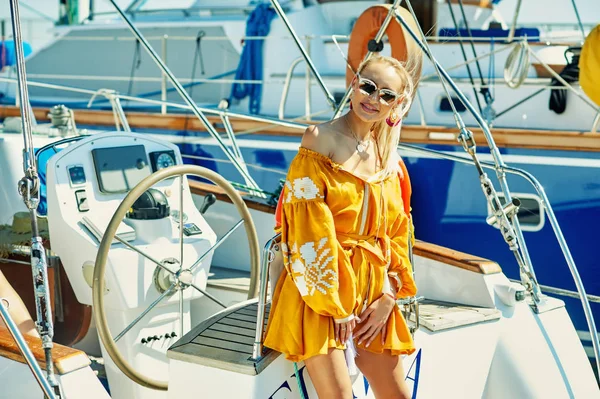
439 316
225 340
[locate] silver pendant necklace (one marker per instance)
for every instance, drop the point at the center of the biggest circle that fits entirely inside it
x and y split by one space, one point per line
361 146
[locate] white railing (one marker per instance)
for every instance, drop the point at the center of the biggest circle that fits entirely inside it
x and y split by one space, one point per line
35 31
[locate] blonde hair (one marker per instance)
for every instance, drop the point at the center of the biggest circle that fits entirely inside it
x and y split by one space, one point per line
387 136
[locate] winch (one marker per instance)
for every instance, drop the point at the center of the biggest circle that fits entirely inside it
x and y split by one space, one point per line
63 119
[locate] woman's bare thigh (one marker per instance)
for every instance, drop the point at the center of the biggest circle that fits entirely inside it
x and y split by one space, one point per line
384 373
329 375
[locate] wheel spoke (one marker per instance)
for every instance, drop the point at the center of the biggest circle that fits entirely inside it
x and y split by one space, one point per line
217 244
145 312
209 296
145 255
181 222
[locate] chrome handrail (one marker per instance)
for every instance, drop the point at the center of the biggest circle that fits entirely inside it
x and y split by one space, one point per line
267 258
22 345
286 86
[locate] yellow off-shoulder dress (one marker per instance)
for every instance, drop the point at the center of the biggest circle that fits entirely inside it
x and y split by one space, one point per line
342 238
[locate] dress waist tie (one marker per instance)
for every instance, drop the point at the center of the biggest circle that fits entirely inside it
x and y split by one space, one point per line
372 246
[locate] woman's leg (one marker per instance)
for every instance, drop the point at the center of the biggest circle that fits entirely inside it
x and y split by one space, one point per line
17 309
384 373
329 375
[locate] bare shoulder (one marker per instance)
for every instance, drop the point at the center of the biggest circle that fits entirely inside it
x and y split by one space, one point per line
319 138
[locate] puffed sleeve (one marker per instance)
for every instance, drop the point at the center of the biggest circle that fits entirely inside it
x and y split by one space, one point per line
312 255
400 270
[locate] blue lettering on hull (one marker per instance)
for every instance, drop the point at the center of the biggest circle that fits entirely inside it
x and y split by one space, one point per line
416 366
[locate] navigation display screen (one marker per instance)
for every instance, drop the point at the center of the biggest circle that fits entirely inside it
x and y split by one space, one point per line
119 169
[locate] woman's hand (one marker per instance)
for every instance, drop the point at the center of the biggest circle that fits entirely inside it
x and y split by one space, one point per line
375 317
343 330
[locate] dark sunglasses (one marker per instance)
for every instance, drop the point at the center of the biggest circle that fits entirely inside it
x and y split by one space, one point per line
368 87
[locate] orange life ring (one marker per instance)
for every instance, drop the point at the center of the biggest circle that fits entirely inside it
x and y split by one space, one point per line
365 29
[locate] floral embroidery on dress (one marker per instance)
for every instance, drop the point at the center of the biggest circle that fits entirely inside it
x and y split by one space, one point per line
311 265
290 190
302 188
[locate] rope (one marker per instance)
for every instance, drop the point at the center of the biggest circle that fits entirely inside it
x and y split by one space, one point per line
297 374
516 67
558 98
250 66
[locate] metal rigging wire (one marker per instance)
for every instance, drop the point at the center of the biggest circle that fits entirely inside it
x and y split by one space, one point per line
464 54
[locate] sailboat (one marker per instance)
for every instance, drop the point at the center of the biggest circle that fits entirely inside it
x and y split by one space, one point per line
512 71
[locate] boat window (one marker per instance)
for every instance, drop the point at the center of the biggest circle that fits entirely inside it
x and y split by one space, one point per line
446 107
531 212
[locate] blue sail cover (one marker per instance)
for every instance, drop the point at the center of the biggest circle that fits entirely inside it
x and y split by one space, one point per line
532 34
7 53
251 60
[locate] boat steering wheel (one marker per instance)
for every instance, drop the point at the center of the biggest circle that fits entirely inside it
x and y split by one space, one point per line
181 280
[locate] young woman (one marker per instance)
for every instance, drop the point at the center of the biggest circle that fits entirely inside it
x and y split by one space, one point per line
345 242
